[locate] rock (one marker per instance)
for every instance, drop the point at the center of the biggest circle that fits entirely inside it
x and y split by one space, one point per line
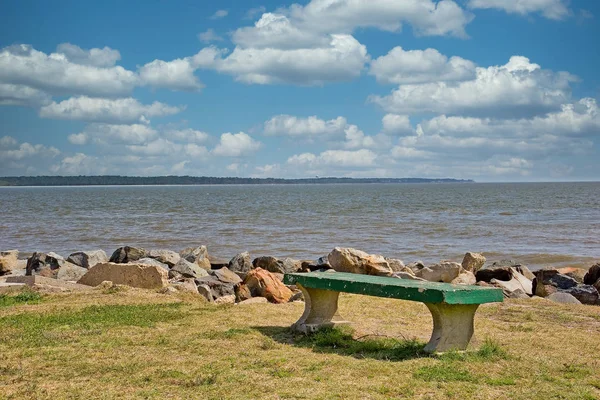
512 286
242 292
542 290
70 272
44 264
464 278
473 262
593 275
37 281
358 262
275 265
398 265
564 298
197 255
127 254
297 296
406 275
576 273
8 261
498 273
165 256
586 294
140 276
253 300
262 283
597 285
518 294
554 278
87 259
229 299
187 285
523 270
168 290
226 275
241 264
174 275
205 291
415 266
188 269
150 261
445 271
218 288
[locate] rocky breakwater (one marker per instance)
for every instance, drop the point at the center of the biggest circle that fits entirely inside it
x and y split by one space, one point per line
250 280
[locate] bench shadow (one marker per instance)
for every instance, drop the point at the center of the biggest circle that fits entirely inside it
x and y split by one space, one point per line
340 341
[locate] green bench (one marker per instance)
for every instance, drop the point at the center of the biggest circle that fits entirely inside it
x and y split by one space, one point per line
452 306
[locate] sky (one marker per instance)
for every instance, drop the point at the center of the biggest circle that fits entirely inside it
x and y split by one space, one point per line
490 90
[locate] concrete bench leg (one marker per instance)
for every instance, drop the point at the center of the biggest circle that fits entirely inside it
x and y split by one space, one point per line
320 310
452 326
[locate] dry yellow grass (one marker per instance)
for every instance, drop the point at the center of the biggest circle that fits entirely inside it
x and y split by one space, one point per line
140 344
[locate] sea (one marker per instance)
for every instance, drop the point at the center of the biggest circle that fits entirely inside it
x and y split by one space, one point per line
536 224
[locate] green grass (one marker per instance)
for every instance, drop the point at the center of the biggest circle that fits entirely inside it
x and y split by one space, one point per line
25 297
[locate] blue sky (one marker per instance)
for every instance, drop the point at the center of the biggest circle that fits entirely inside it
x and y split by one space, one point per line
493 90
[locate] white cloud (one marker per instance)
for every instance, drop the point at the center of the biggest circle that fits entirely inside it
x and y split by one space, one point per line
552 9
55 74
79 138
124 111
219 14
102 58
289 125
187 135
253 12
209 36
108 134
518 88
394 124
336 158
236 145
27 150
79 164
20 95
8 141
193 150
175 75
419 66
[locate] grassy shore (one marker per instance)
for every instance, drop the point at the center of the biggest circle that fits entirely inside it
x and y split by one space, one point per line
131 343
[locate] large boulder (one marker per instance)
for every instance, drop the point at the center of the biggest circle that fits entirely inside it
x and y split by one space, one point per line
45 264
473 262
87 259
217 288
593 275
586 294
358 262
8 261
188 269
241 264
70 272
262 283
225 275
134 275
165 256
551 277
127 254
445 271
197 255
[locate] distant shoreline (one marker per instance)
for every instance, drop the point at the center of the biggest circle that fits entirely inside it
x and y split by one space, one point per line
115 180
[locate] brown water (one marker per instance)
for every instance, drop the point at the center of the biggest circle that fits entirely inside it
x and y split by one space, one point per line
537 224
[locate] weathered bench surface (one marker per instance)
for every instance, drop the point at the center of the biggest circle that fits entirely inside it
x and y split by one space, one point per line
406 289
452 307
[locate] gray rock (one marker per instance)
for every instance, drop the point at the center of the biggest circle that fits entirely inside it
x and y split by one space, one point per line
241 264
150 261
70 272
218 288
554 278
445 271
397 265
42 263
205 291
593 275
226 276
187 285
87 259
518 294
473 262
415 266
127 254
165 256
586 294
564 298
188 269
275 265
197 255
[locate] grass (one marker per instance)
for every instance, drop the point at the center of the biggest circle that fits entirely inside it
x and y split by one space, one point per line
134 344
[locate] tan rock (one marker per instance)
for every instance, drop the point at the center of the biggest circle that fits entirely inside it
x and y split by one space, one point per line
188 285
465 278
8 261
229 299
198 255
262 283
358 262
445 271
134 275
473 262
204 291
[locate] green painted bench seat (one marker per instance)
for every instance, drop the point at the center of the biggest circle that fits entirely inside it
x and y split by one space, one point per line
453 307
